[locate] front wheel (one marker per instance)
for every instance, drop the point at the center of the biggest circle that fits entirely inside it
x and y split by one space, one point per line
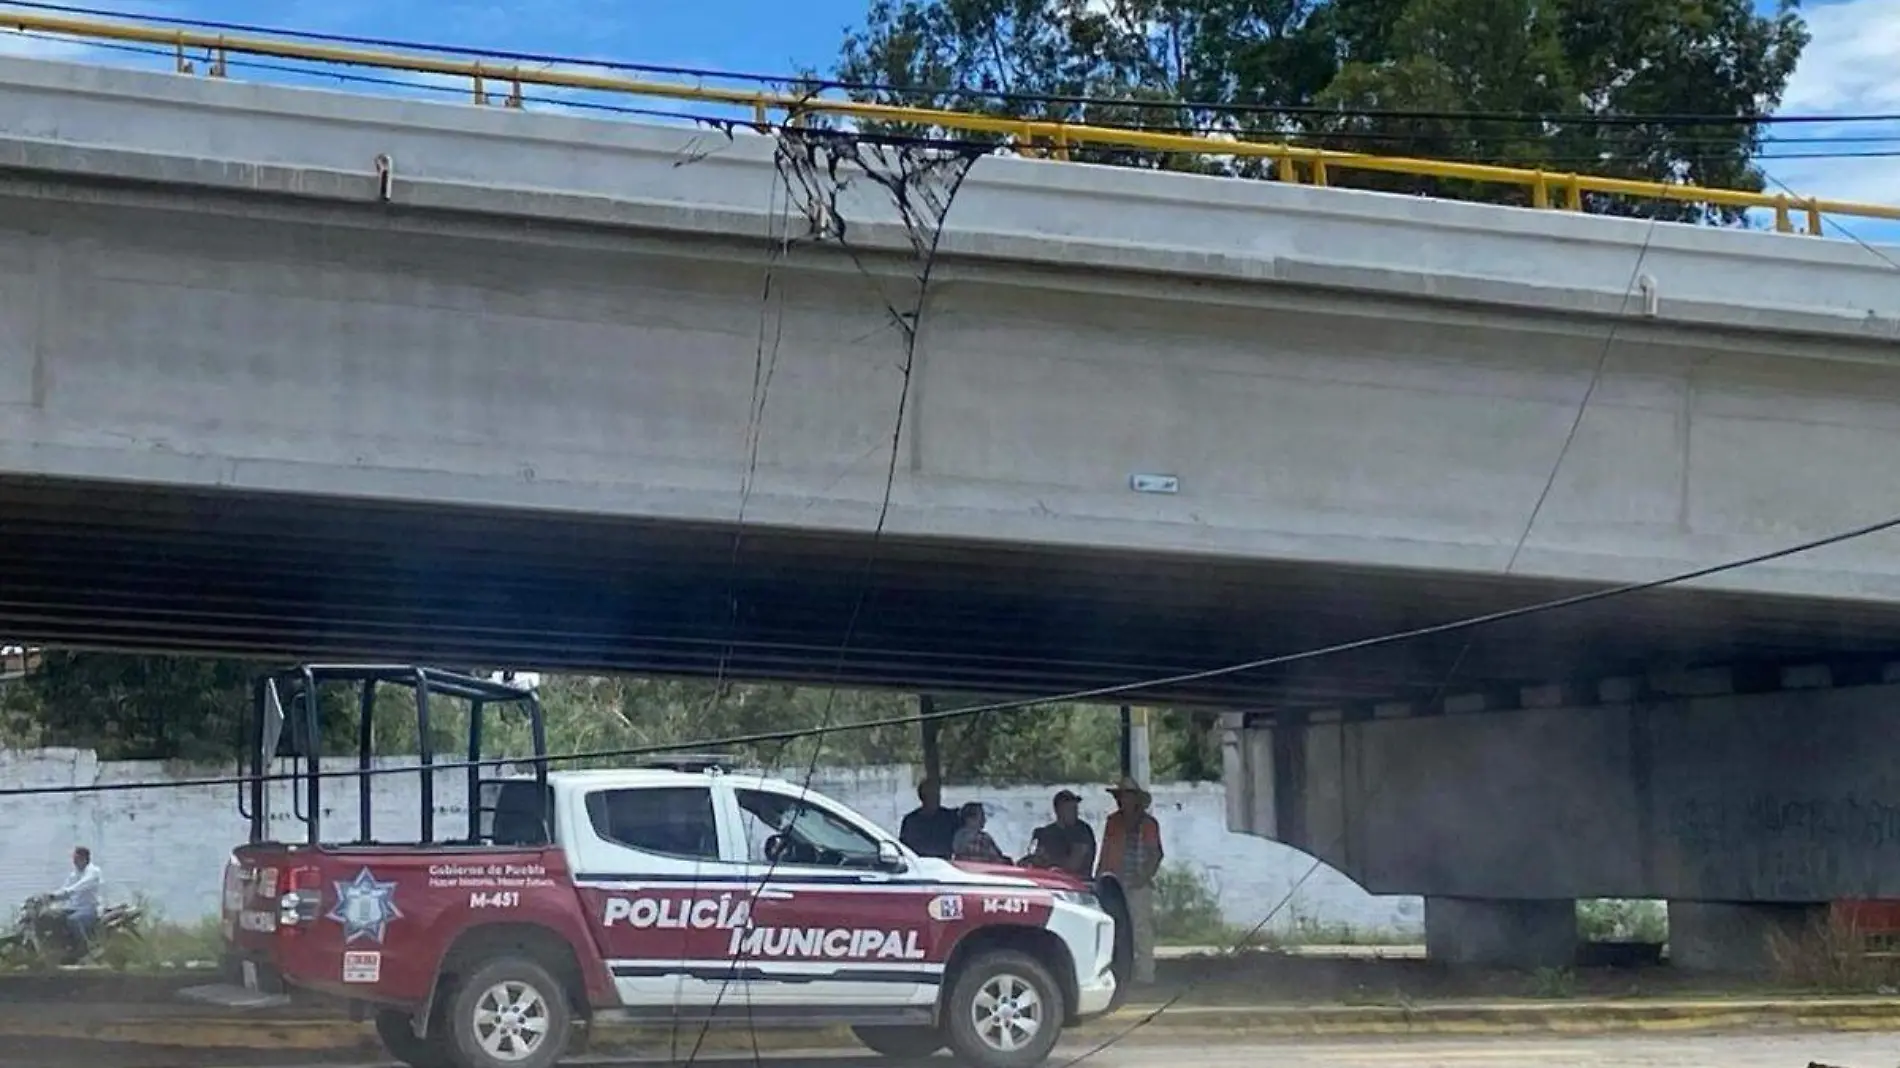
1005 1011
399 1039
509 1013
901 1043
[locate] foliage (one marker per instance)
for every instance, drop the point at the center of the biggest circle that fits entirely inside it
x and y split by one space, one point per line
131 705
1831 953
1187 911
1185 745
155 707
1622 920
1325 64
166 946
1312 931
1553 983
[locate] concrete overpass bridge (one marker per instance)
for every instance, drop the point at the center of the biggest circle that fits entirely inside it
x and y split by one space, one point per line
286 372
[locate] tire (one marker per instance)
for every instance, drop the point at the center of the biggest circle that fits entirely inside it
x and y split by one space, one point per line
901 1043
984 1035
399 1039
522 993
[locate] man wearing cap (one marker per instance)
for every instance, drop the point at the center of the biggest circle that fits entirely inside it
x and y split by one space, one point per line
1131 852
1068 844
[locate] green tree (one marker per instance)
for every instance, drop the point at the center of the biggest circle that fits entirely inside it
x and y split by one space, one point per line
130 706
133 707
1185 745
1045 743
1336 64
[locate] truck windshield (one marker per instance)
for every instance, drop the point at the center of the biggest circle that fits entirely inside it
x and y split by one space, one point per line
808 834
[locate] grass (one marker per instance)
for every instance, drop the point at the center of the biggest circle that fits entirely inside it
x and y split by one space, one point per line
1188 913
166 946
1831 954
1553 983
160 947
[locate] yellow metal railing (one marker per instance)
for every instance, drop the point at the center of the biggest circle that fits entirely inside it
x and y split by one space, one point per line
1029 136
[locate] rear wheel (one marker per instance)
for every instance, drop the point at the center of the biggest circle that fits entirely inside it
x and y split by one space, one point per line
1005 1011
509 1013
399 1038
901 1043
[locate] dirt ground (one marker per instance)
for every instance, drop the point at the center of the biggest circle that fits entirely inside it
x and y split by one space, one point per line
1254 978
1274 978
1740 1050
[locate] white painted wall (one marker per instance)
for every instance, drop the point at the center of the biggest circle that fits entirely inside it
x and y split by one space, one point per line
169 845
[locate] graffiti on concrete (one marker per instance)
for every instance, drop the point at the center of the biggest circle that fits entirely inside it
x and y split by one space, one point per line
1718 824
1770 845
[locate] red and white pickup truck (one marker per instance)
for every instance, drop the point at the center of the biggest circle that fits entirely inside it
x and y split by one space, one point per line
669 895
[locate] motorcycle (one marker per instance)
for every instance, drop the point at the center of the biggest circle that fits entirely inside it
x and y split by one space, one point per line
41 934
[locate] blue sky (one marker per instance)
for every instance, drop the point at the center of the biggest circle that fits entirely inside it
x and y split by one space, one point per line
728 34
1852 66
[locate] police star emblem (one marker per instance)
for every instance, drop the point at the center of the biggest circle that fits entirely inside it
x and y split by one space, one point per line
364 906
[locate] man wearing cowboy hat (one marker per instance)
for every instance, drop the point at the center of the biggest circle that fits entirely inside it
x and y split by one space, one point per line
1131 852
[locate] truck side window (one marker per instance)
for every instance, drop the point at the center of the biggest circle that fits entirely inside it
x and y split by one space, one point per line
785 830
675 821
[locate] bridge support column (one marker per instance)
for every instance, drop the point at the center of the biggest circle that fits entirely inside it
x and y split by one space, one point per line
1501 933
1715 936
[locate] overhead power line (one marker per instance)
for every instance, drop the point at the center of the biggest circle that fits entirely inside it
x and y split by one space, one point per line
1094 693
965 92
352 77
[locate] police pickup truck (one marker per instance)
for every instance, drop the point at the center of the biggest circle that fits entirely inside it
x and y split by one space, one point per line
667 895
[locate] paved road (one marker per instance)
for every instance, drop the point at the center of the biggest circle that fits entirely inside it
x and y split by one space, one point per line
1670 1051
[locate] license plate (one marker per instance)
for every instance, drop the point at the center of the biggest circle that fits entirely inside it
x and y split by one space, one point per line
249 969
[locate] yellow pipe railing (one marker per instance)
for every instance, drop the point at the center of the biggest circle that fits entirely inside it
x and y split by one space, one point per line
1054 138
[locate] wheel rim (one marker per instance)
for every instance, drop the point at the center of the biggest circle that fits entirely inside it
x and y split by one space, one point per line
1007 1012
511 1021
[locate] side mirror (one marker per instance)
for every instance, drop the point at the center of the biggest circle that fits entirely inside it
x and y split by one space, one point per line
889 858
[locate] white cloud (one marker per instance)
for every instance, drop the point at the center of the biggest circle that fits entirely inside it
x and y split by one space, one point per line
1852 66
1853 62
35 46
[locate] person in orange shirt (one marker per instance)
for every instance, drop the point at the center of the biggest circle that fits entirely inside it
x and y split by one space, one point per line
1131 852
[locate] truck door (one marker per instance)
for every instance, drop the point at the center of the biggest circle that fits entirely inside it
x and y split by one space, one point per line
663 892
830 926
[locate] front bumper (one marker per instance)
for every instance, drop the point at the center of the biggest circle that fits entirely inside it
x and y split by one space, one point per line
1095 997
1089 934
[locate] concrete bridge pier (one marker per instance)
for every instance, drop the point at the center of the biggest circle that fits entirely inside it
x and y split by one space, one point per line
1704 936
1534 933
1740 937
1746 804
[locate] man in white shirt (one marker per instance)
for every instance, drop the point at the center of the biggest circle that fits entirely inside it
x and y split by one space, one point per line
81 895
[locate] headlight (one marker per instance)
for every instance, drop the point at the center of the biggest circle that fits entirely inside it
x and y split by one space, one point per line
1079 897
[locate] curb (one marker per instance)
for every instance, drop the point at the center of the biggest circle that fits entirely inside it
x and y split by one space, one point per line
1520 1018
1204 1022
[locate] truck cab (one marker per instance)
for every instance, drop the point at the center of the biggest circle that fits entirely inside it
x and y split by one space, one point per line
684 892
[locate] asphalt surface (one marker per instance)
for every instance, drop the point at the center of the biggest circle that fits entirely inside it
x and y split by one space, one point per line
1646 1051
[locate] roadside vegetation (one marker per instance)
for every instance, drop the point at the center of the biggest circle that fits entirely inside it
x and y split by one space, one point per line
1610 919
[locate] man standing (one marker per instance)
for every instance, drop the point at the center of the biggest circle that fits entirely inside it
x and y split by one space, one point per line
1068 844
930 829
80 893
1131 853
